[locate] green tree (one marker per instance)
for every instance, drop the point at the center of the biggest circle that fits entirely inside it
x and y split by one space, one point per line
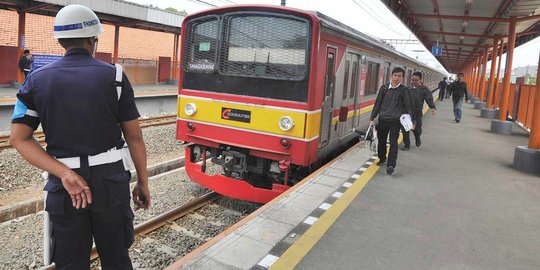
532 80
181 12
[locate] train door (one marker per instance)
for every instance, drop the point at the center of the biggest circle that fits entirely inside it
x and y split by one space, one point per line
327 106
362 87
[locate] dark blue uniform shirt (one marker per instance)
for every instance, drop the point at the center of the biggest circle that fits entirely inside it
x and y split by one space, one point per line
75 101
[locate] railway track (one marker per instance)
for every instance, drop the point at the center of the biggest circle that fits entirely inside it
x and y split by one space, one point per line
163 219
147 122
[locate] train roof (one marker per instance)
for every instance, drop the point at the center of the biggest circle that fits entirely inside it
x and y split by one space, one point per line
335 25
326 21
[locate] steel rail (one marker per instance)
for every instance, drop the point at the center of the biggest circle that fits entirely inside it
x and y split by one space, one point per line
144 123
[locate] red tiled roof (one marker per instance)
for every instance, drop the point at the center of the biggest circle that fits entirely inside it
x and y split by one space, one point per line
134 43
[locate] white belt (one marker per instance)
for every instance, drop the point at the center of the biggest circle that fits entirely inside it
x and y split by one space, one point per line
110 156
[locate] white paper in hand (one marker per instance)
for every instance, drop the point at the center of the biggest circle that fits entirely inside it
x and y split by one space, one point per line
406 122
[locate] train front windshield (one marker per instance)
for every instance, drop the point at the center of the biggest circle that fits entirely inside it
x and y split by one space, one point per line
253 54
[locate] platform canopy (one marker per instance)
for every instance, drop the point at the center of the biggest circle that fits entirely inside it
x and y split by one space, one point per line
114 12
463 28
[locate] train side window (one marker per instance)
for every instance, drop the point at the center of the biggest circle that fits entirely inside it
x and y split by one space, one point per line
329 78
346 79
404 75
388 71
201 46
372 78
354 83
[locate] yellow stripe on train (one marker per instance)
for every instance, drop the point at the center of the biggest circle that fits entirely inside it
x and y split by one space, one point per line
261 118
367 109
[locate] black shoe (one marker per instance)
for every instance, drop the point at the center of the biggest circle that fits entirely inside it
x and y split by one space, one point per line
406 148
390 170
418 142
457 121
381 162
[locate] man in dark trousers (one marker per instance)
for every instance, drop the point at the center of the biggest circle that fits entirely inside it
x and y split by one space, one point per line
392 101
25 63
442 89
458 90
84 106
419 93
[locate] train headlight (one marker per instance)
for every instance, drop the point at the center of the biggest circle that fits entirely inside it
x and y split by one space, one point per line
286 123
190 109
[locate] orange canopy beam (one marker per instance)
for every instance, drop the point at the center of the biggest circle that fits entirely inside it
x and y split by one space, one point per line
463 18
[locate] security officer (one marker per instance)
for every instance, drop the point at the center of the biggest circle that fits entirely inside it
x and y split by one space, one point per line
83 117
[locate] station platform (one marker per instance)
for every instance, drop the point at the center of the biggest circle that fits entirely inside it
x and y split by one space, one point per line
453 203
8 94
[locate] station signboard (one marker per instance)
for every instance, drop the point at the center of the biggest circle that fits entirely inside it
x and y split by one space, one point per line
436 50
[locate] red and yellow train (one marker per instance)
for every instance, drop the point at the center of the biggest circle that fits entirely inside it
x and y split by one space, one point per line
271 91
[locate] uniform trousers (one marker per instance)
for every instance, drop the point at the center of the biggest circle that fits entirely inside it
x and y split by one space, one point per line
108 220
384 129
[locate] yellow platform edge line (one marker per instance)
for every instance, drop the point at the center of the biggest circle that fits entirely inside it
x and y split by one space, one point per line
295 253
299 249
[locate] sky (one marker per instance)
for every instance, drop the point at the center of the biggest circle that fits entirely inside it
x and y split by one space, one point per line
376 20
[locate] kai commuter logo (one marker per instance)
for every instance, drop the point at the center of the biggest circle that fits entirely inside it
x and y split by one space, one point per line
235 115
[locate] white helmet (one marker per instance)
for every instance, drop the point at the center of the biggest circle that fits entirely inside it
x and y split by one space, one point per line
76 21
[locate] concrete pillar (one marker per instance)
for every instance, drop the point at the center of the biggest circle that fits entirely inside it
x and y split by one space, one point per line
527 158
479 104
489 113
502 126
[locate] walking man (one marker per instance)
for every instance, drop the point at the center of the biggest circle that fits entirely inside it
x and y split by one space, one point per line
419 93
458 90
442 89
392 101
84 106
